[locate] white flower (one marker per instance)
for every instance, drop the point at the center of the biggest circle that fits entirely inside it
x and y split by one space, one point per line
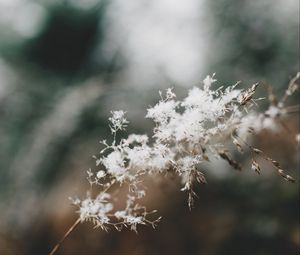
133 138
163 111
98 208
114 163
170 94
273 112
208 81
187 132
118 120
100 174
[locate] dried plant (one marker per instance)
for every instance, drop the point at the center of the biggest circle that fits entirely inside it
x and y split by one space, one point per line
187 133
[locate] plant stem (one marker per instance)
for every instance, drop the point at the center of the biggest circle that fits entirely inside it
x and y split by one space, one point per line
56 247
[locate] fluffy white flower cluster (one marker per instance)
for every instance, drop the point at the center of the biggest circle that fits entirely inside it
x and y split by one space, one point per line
187 133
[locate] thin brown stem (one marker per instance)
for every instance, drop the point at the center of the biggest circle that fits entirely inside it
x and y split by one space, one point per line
56 247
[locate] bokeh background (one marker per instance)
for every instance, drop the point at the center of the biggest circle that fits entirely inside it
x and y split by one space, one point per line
64 65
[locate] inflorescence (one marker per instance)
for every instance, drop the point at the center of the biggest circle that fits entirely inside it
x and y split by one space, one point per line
187 133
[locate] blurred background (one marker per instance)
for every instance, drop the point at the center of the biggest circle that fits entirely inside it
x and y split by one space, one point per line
64 65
